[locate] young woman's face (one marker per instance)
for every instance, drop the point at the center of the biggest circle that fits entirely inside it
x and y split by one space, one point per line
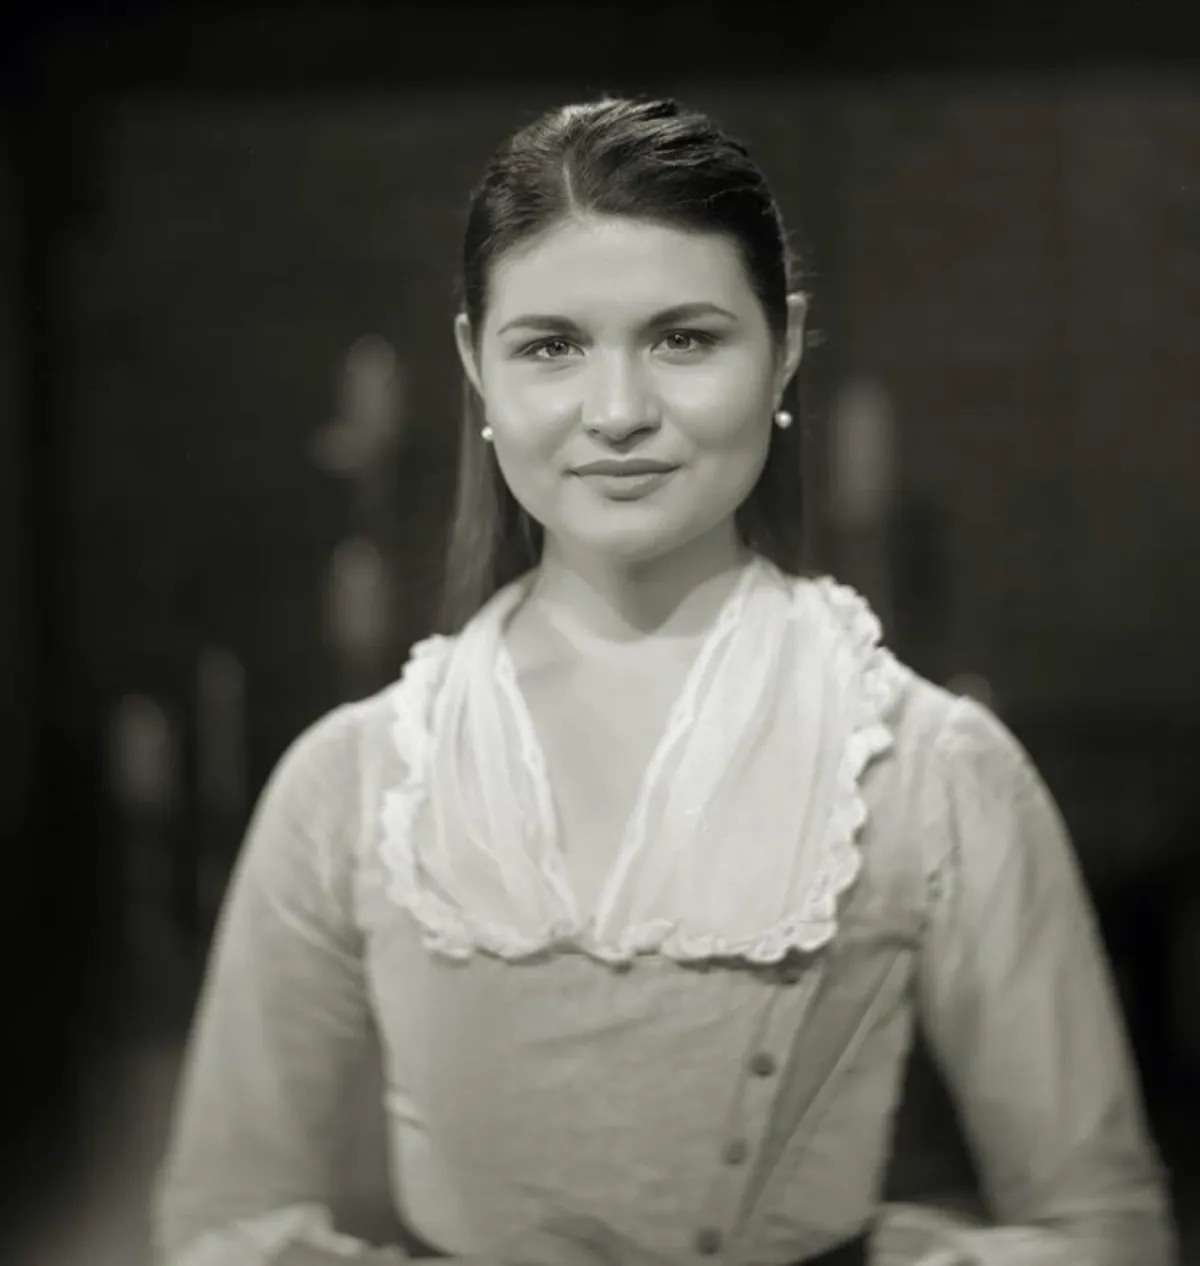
630 377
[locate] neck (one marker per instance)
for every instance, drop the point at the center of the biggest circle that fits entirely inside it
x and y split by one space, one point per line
601 604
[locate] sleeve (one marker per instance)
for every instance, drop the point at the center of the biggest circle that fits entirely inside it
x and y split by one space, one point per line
281 1017
1019 1009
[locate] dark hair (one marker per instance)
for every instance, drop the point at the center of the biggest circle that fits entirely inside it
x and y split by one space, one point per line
649 160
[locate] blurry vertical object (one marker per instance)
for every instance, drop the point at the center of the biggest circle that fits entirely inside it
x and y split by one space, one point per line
366 428
862 480
357 610
221 773
360 445
921 576
144 776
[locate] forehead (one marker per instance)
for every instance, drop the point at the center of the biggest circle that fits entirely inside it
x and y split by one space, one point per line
610 267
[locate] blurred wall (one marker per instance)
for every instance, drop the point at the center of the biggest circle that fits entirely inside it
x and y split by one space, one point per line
1021 270
1023 274
1016 264
238 251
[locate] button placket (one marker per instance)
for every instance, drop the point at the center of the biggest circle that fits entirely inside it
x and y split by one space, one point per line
730 1152
762 1069
757 1082
775 1186
709 1241
763 1064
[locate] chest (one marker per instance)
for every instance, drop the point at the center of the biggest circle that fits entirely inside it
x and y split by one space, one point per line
599 733
607 1092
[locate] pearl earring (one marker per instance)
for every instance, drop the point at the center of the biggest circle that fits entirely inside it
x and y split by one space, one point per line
783 419
487 434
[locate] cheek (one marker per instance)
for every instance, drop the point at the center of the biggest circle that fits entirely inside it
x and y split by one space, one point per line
530 416
529 436
723 398
722 418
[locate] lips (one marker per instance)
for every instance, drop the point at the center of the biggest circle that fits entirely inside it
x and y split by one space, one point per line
635 480
629 467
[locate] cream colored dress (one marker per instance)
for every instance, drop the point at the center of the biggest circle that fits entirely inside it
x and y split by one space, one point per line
827 850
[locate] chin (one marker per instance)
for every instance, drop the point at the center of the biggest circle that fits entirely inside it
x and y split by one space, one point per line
632 544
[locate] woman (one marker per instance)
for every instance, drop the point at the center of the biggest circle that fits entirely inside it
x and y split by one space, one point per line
646 870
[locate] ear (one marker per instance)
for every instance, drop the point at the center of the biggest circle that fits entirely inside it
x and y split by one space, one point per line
793 349
466 351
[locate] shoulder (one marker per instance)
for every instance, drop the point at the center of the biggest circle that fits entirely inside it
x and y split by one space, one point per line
328 773
326 757
956 746
949 757
976 749
929 723
954 735
916 712
972 801
361 741
317 808
992 817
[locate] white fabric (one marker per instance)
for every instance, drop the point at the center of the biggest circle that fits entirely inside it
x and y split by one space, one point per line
898 837
251 1241
779 715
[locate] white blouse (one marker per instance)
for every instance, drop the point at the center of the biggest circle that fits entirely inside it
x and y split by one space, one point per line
827 850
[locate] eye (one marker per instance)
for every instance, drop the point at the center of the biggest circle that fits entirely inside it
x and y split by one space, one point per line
548 349
688 341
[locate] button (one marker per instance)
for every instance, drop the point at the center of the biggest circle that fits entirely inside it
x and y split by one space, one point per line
791 973
763 1064
708 1242
735 1152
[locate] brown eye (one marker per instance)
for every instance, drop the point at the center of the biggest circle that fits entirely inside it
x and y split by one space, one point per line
685 341
549 349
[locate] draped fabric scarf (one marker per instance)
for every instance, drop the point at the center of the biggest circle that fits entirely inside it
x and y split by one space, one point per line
742 834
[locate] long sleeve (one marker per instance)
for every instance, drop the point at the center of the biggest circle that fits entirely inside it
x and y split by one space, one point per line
1020 1012
282 1016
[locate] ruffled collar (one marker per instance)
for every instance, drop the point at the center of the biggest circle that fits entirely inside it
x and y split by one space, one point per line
744 836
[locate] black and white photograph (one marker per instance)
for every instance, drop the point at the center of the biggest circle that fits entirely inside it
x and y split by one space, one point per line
599 613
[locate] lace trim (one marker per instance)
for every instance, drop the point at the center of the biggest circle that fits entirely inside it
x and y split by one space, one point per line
815 924
458 933
447 929
870 737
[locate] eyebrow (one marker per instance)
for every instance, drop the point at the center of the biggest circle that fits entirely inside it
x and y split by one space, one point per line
668 316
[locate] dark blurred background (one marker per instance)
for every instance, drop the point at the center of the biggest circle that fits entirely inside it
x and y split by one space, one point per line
228 398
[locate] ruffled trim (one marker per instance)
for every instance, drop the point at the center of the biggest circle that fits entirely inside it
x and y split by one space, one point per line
458 933
446 929
815 924
880 676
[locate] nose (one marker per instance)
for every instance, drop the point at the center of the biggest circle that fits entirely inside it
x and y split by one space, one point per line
620 406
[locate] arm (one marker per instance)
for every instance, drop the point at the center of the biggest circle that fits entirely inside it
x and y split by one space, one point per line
282 1016
1020 1012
